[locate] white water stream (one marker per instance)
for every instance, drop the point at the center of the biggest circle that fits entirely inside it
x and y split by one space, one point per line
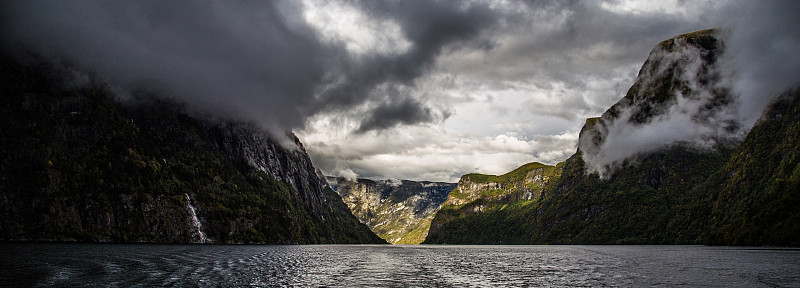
196 221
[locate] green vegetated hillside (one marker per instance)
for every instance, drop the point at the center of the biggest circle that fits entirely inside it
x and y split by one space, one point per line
487 209
399 211
744 193
755 197
78 165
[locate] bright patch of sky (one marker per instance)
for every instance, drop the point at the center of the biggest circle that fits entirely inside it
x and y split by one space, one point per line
643 7
339 22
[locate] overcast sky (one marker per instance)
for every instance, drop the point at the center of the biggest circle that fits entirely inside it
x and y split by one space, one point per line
419 90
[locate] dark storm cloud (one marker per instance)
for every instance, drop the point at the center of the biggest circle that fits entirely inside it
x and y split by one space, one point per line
238 58
562 41
404 110
428 25
256 60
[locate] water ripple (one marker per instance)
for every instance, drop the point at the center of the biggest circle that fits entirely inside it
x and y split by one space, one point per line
139 265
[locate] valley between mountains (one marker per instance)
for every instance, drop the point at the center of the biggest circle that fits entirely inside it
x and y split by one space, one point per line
722 192
78 164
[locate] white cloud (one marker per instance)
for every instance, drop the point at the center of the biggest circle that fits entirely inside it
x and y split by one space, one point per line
347 174
678 7
361 34
428 152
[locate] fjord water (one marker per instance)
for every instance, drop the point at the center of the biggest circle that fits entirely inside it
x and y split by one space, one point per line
125 265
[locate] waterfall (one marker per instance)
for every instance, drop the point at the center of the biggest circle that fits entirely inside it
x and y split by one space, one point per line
196 221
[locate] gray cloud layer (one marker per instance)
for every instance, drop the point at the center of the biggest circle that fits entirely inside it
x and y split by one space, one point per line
763 43
256 60
536 67
399 110
237 57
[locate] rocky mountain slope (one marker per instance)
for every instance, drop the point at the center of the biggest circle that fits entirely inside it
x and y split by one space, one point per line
399 211
714 192
78 164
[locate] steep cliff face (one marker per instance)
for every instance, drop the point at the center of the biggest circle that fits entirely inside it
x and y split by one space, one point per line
76 164
399 211
250 146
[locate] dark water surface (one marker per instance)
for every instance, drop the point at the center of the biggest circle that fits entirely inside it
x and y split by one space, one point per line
125 265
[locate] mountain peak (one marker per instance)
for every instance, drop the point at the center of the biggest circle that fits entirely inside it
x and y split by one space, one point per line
679 96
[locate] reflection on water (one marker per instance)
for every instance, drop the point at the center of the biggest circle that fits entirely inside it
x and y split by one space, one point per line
383 265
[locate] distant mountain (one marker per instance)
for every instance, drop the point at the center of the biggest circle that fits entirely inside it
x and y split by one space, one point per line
723 193
77 164
399 211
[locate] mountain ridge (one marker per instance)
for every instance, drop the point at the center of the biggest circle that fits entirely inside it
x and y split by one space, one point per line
712 189
80 165
479 194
